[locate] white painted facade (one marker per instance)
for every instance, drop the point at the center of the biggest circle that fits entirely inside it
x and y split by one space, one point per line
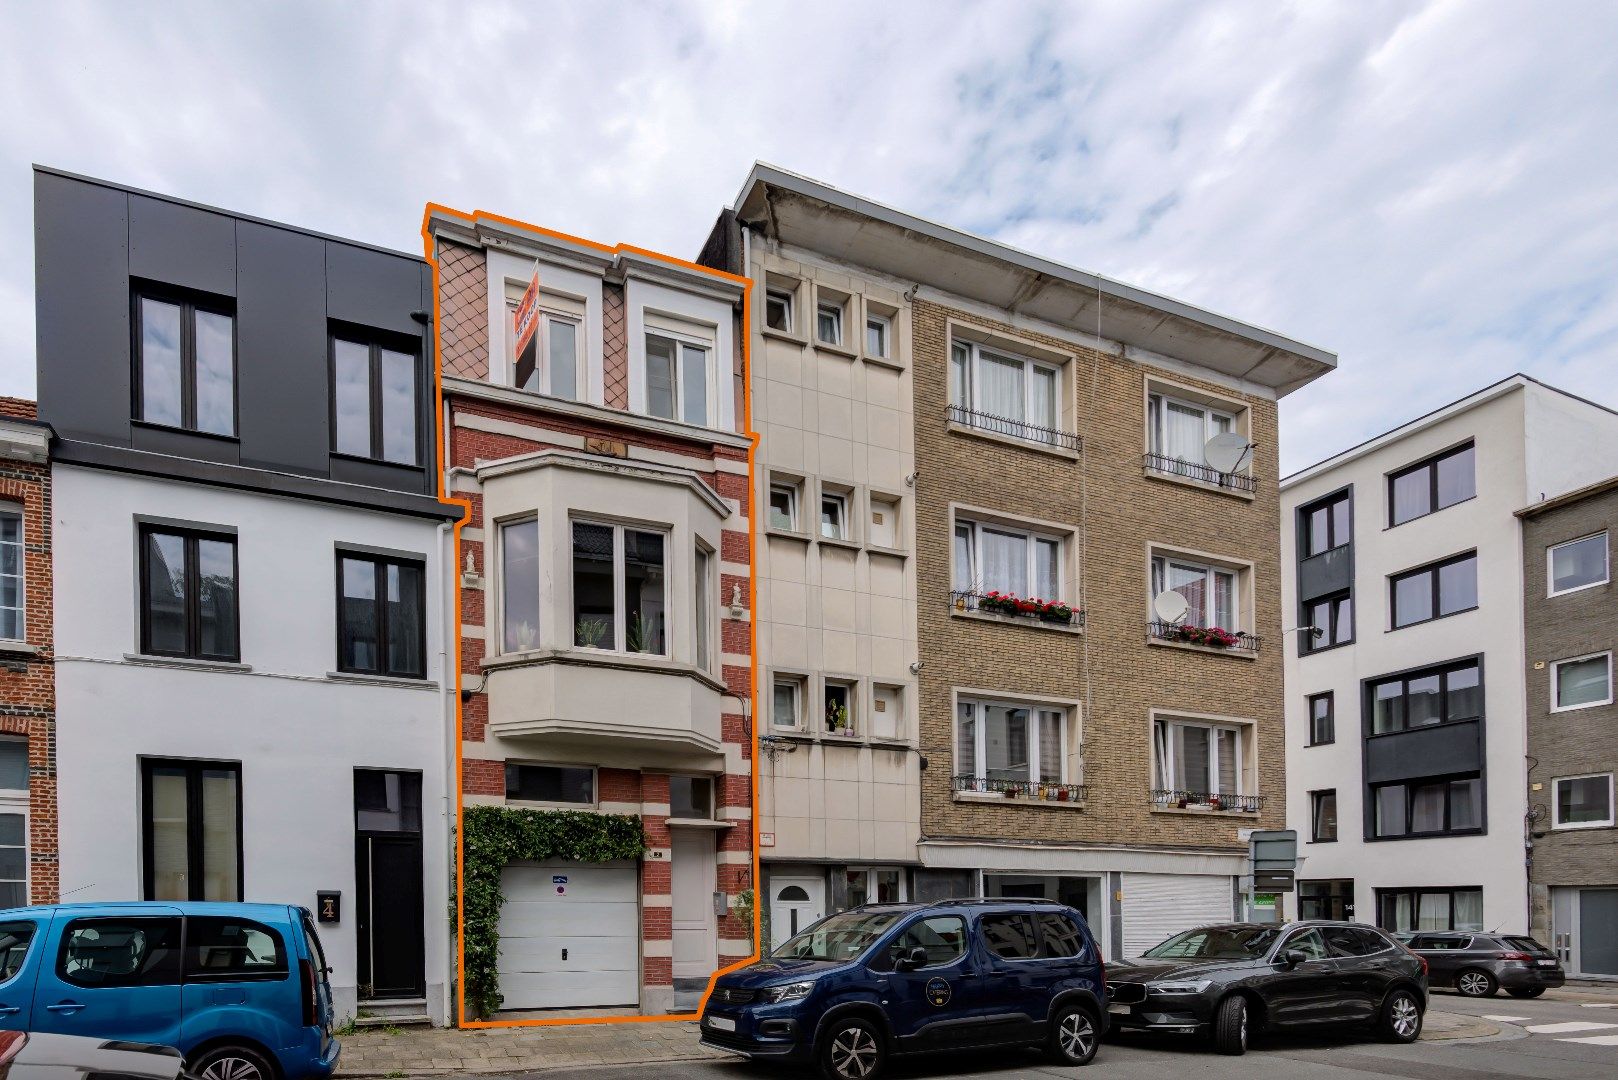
297 728
1531 442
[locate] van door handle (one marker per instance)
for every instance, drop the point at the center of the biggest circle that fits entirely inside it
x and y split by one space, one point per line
969 974
69 1007
10 1010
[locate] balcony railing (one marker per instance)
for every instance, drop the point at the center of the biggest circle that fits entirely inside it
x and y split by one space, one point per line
1209 637
1171 466
1032 790
1013 429
1172 799
1053 612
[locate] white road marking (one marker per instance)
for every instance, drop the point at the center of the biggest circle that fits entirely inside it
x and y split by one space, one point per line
1507 1019
1568 1027
1599 1005
1595 1040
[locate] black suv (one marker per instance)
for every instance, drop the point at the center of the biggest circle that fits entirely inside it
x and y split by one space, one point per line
1224 980
1479 964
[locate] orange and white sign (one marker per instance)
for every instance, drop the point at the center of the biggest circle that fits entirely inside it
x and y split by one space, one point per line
527 315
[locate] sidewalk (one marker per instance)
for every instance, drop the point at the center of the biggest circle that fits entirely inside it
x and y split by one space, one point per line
1440 1026
419 1051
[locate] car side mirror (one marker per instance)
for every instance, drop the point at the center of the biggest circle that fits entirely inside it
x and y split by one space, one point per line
912 959
1294 957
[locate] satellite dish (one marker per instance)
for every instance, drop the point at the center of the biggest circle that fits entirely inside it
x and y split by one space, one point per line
1170 607
1224 452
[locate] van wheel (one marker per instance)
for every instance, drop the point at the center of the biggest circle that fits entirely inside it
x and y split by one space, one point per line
851 1049
1073 1039
1401 1018
1475 983
230 1063
1230 1026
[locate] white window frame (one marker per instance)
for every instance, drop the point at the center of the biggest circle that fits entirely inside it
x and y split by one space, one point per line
786 298
841 499
980 736
798 686
1556 693
16 801
851 688
1550 565
1556 803
1029 364
1208 569
595 784
11 511
1163 762
883 324
542 347
1157 403
836 309
681 343
705 610
793 492
499 627
620 609
1032 536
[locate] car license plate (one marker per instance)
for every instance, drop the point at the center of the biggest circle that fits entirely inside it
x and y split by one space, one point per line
1118 1010
721 1023
1547 963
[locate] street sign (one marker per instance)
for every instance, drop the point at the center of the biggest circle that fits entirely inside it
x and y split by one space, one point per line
1274 849
1272 881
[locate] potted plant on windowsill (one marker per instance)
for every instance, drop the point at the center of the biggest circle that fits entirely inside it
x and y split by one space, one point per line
837 718
1056 612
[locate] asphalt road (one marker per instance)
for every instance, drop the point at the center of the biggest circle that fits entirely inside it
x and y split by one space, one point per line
1538 1039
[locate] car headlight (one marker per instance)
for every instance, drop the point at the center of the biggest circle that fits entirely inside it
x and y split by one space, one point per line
787 992
1186 987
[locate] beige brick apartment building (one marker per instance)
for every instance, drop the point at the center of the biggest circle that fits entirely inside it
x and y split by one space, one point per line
1067 742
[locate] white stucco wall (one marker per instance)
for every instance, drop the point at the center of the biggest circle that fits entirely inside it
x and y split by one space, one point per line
298 734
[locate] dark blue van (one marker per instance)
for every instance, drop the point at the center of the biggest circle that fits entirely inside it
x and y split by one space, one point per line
884 979
239 989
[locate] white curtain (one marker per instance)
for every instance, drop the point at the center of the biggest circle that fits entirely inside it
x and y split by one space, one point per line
1042 398
1047 575
1224 611
1005 743
1183 436
965 576
1000 387
966 741
960 359
1050 746
1191 756
1191 582
1228 762
1468 910
1005 562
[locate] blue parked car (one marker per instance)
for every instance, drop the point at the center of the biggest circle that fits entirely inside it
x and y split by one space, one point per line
863 985
239 989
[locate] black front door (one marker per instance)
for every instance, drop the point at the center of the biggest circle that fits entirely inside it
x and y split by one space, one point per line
388 878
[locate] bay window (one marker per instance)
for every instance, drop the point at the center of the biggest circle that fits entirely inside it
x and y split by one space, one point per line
1005 393
703 588
1200 758
519 585
1007 741
677 378
1209 591
1008 560
619 588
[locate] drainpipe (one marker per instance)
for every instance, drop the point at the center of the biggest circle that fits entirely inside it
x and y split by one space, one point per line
448 684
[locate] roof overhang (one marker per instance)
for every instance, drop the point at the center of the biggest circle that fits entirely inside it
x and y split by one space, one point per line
808 214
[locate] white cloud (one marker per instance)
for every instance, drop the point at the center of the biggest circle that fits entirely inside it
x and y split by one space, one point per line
1426 189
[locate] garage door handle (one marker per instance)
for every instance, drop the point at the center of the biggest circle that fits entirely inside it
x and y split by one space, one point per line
564 954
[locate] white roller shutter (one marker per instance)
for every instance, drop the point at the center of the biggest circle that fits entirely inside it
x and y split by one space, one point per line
571 943
1158 906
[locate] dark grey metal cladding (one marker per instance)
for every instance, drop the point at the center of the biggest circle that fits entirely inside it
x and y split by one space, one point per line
1439 750
94 241
1329 572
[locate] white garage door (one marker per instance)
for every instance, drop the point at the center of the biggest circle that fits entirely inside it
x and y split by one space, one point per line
1158 906
568 935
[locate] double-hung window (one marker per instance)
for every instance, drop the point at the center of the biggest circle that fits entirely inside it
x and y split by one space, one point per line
1440 695
1581 682
620 588
1434 591
1005 741
1577 564
1209 591
1200 758
1429 486
1004 393
185 361
13 822
382 618
188 594
1180 433
1007 560
13 576
374 408
1582 802
677 378
191 830
519 585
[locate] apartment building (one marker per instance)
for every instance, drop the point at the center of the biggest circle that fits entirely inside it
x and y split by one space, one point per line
595 421
1070 740
1406 725
1569 635
252 696
27 661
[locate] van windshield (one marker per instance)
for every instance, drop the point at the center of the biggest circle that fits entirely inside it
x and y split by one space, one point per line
1216 943
838 937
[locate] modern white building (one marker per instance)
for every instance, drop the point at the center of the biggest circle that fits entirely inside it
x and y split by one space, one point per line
1406 738
249 559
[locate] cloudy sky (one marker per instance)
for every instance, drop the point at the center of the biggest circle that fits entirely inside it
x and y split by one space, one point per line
1429 189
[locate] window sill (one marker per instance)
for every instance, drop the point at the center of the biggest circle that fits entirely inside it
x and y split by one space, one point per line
874 742
19 648
836 350
1008 440
1157 642
1206 811
400 681
657 665
783 335
837 542
186 662
1201 485
1017 800
884 361
1017 620
788 534
1425 836
897 553
1582 826
698 823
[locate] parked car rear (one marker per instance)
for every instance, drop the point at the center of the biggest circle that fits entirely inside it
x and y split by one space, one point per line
239 989
1477 964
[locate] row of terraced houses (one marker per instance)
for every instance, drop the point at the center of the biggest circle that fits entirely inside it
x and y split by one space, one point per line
856 559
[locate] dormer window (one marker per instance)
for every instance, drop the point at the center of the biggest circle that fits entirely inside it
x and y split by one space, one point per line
676 379
552 362
185 359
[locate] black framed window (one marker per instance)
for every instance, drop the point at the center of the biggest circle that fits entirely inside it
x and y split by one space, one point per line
1322 718
1404 911
1436 806
1326 524
550 783
1329 898
1334 617
381 616
374 407
1435 590
188 594
191 830
185 361
1436 695
1429 486
1323 816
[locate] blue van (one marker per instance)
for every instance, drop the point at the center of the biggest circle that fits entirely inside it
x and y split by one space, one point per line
239 989
863 985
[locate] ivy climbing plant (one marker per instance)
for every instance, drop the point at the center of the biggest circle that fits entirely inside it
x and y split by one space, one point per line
497 835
